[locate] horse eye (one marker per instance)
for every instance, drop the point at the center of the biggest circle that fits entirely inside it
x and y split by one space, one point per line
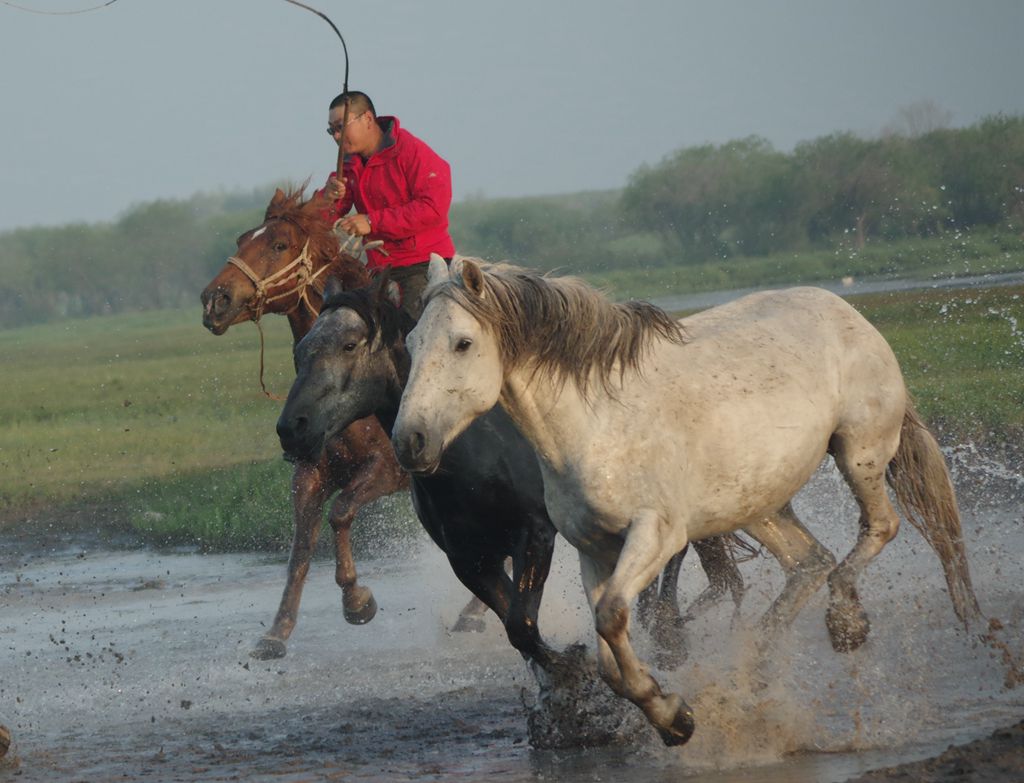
348 347
280 247
463 345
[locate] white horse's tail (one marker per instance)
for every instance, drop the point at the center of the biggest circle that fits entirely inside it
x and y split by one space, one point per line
924 491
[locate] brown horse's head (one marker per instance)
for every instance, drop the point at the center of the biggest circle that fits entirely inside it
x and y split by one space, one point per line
280 265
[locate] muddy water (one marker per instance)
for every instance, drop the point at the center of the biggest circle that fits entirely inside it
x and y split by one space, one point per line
123 665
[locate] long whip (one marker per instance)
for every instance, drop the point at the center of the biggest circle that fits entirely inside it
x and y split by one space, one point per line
58 13
344 86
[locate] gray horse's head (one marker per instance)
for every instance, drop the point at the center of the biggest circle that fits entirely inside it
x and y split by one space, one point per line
347 367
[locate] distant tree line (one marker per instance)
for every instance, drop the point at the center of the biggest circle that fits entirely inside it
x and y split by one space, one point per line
157 255
746 199
708 203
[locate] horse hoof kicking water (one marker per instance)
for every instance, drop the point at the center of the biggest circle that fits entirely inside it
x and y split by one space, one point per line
681 725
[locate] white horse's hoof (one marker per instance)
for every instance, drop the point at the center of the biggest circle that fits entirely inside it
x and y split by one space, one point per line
681 728
680 719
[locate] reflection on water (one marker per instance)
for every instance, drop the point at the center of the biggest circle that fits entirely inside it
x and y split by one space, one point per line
124 664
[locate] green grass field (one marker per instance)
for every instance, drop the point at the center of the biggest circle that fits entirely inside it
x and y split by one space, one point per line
962 354
153 416
110 407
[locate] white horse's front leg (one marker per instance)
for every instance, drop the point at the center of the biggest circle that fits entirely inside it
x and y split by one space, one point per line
595 575
642 557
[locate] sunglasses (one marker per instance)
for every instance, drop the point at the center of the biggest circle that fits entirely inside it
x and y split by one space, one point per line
338 127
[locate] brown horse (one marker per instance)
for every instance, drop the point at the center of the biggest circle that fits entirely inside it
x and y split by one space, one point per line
281 267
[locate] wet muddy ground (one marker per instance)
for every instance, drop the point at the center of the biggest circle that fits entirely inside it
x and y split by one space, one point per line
124 664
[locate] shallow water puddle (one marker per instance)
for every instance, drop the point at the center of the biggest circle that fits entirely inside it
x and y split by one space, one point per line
124 664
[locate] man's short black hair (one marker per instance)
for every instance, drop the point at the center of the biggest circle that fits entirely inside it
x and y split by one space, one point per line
358 102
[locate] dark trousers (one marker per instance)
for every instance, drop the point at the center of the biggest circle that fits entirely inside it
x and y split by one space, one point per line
412 280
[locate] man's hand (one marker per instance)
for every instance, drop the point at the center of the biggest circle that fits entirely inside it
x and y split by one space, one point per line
334 190
356 225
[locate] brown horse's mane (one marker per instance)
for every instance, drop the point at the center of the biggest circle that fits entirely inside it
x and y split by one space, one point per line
561 324
307 215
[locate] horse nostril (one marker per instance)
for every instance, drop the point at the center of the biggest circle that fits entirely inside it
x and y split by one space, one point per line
417 443
289 429
221 302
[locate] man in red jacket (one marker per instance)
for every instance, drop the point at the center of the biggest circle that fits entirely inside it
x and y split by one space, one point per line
401 190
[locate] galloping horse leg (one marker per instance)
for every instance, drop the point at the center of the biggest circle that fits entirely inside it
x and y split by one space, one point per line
657 602
488 582
721 571
641 557
666 622
531 564
359 467
647 603
664 618
471 618
515 604
806 563
723 574
864 470
308 495
358 603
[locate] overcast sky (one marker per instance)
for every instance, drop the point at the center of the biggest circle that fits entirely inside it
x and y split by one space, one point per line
150 99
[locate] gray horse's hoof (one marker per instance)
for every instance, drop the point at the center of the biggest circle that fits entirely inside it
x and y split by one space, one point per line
469 625
268 649
847 628
362 614
681 730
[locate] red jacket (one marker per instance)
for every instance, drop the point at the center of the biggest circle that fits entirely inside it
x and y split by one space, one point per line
405 189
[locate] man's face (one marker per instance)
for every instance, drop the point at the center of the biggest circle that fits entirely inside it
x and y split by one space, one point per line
356 133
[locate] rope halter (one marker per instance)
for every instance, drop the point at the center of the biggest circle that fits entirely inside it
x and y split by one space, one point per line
301 269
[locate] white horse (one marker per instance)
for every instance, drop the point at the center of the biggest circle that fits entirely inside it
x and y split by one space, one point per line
653 433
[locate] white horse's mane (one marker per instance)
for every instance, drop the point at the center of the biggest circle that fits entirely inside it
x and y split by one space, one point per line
563 324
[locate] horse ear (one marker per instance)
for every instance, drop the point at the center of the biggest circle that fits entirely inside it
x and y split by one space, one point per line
333 286
384 288
316 202
393 293
437 270
472 277
379 285
276 201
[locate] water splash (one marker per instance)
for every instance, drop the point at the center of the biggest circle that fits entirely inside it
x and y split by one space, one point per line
575 708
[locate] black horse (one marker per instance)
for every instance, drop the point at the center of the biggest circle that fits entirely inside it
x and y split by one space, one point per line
486 501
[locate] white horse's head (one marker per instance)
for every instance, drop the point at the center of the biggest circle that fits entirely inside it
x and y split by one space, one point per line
456 372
